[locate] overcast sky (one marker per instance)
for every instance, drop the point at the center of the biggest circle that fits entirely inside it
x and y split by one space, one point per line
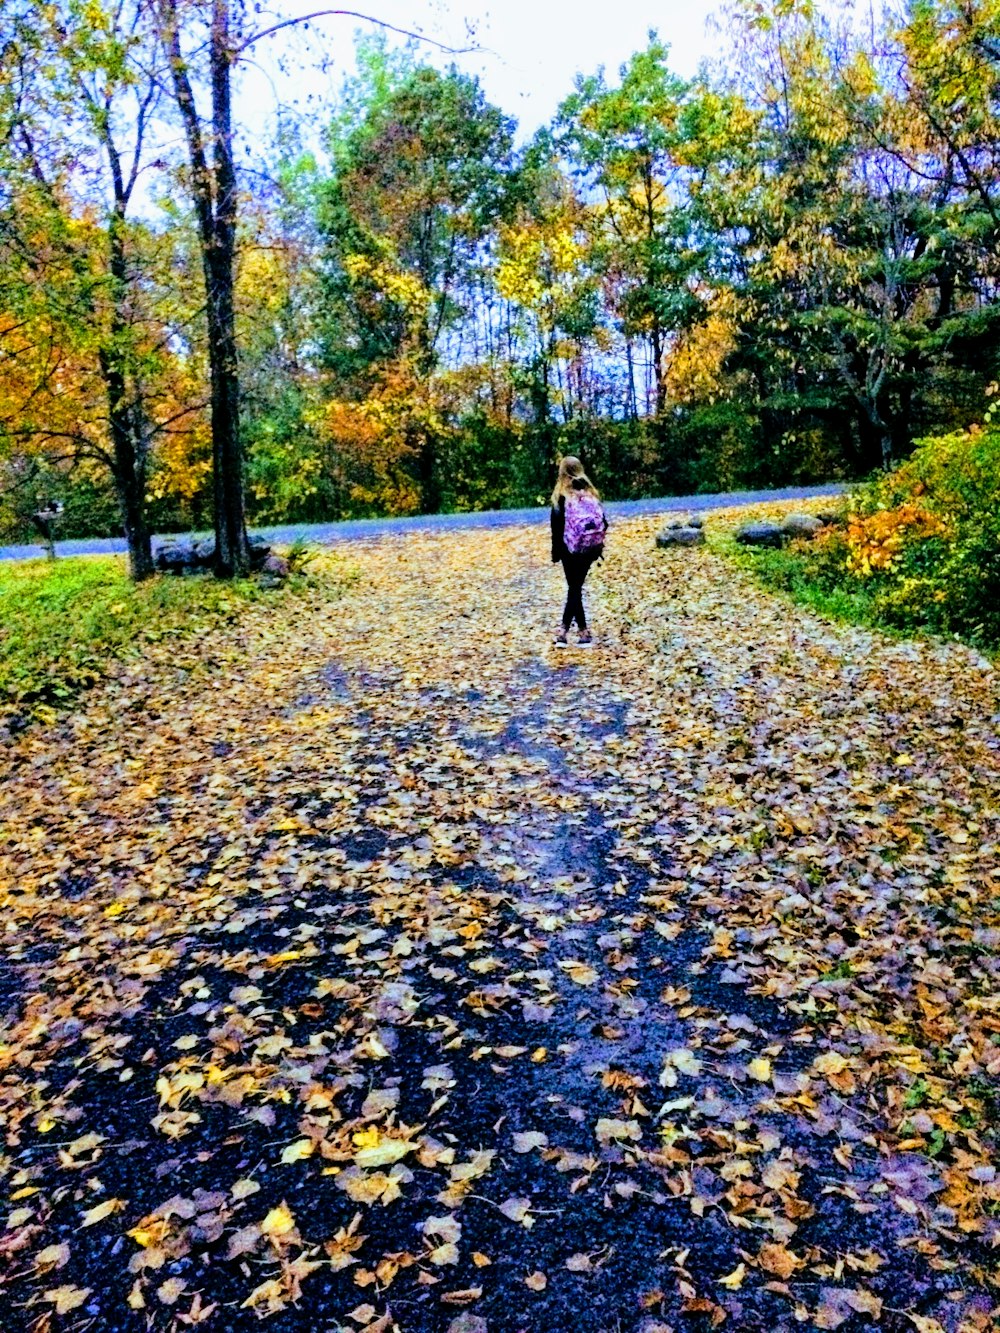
535 47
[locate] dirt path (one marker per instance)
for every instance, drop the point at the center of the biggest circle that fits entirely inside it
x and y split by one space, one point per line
393 969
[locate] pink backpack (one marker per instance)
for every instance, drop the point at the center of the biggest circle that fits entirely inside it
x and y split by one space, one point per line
586 523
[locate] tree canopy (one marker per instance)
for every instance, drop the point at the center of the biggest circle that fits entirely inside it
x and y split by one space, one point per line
782 270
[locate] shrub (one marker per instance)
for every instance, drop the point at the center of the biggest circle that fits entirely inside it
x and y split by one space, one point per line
919 547
942 566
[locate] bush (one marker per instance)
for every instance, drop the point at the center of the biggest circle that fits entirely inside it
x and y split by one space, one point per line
919 548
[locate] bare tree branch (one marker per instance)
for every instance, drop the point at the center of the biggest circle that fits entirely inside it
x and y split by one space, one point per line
365 18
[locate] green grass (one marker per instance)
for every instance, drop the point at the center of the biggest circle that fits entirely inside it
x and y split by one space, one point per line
789 572
63 624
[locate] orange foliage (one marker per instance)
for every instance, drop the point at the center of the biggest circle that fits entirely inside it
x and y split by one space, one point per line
378 440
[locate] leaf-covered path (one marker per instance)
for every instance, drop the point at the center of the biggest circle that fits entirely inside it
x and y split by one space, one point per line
377 965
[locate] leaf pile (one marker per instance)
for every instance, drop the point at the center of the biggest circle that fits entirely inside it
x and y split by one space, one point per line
380 967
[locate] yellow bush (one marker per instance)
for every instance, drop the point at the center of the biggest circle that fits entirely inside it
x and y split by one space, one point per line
875 541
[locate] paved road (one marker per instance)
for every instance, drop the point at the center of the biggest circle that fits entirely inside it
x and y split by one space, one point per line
352 530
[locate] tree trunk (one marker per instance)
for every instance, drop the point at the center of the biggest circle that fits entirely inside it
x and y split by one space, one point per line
631 401
656 342
214 197
232 552
127 443
876 438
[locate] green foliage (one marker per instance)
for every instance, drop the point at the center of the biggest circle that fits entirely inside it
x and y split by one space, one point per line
300 555
810 582
64 625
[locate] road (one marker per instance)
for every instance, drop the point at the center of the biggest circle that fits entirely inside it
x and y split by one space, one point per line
352 530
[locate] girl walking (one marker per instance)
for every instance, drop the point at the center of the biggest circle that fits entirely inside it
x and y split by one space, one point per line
578 528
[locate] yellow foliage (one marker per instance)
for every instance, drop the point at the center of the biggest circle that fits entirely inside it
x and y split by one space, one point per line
696 362
535 262
875 540
402 288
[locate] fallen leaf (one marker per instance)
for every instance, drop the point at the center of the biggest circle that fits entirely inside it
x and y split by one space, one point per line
100 1211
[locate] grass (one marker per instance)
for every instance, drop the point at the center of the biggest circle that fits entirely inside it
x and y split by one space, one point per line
64 624
790 572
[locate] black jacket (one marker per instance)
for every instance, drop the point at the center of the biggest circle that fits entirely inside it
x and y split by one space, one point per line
557 515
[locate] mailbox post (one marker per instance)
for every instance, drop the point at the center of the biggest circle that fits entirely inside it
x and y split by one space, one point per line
45 518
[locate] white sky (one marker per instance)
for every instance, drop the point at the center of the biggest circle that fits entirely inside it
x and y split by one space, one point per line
536 47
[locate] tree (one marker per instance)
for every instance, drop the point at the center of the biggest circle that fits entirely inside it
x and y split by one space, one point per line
214 197
418 182
628 143
74 94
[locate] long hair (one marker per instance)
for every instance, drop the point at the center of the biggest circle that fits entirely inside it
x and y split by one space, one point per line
571 478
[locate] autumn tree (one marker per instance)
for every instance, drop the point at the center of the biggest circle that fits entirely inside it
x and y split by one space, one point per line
75 106
418 182
202 42
627 142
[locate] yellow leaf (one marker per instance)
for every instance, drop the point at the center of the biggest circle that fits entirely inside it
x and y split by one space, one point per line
100 1211
384 1154
734 1280
53 1256
295 1152
67 1298
760 1069
278 1222
832 1062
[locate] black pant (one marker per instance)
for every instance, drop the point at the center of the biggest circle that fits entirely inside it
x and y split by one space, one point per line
576 567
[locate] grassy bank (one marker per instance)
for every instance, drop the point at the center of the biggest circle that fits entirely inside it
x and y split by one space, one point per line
63 625
794 574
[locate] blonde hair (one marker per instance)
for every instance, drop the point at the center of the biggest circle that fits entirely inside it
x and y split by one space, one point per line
571 478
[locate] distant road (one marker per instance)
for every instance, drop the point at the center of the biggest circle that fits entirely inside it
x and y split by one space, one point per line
355 529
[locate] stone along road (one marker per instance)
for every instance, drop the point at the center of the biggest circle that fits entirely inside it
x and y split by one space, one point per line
376 965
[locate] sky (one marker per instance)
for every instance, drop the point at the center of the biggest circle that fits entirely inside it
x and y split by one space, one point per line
533 48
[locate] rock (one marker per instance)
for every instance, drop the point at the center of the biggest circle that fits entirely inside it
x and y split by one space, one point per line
468 1323
259 551
801 525
175 558
829 517
696 522
761 534
681 537
277 566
